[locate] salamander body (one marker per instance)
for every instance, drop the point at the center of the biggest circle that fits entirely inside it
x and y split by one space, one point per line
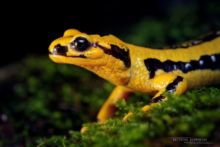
133 68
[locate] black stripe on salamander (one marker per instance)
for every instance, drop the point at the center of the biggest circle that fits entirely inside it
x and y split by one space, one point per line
117 52
62 50
171 88
206 38
158 99
211 62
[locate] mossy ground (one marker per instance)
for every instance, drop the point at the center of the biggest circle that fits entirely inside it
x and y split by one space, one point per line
45 104
194 114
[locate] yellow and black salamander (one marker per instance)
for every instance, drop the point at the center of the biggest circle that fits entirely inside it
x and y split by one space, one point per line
133 68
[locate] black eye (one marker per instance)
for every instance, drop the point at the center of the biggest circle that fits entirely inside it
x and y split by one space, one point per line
80 44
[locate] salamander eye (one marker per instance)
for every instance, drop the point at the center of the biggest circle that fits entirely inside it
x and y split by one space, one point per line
80 44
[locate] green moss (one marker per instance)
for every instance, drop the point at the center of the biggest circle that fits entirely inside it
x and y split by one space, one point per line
185 115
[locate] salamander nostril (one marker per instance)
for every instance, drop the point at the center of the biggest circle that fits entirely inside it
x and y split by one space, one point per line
60 50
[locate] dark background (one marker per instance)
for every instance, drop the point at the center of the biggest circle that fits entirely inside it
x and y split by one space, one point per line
29 27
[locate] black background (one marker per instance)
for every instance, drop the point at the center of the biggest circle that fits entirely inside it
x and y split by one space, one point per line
29 27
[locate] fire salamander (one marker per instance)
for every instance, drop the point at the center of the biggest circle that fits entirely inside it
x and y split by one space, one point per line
133 68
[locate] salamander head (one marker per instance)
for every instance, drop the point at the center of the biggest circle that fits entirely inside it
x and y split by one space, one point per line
102 55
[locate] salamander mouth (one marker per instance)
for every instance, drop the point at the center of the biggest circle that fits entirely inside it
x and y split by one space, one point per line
62 51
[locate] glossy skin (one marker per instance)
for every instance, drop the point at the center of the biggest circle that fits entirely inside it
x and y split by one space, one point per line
130 67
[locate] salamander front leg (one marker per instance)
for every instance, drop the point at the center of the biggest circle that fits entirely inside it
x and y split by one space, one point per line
108 109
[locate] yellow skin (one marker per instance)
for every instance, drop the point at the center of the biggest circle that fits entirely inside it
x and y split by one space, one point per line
107 56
